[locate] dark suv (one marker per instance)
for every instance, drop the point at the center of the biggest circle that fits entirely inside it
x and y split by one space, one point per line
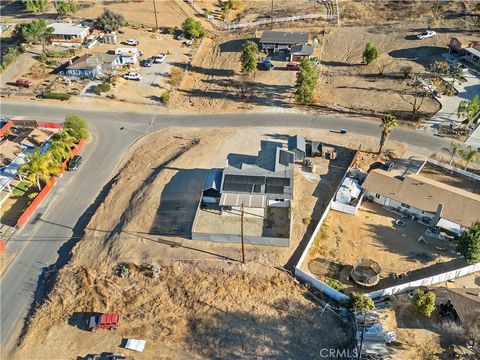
74 163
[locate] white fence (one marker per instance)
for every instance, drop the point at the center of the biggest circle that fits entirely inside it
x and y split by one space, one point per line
299 273
345 208
340 297
455 169
226 26
426 281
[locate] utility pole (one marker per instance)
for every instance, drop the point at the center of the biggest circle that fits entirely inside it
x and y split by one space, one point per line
155 12
271 18
241 236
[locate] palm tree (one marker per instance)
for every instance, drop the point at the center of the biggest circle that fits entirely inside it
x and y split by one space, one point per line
455 149
469 154
39 168
59 151
388 123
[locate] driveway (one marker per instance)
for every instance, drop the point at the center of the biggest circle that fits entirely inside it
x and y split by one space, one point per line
466 90
44 244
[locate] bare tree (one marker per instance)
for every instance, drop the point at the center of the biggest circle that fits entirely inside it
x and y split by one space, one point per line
416 93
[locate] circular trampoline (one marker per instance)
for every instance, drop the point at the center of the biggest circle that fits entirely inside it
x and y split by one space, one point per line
366 272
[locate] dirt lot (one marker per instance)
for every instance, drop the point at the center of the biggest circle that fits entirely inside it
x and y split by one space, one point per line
201 303
372 234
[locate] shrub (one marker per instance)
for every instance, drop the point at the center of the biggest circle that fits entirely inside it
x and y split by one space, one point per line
406 70
60 53
56 96
32 195
193 28
76 126
103 87
337 285
53 63
424 301
370 53
10 55
170 30
165 97
361 302
42 57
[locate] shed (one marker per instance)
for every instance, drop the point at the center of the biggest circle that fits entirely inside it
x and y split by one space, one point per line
298 52
110 38
296 144
212 186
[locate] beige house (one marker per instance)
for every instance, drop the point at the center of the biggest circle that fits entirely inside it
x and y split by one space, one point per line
436 203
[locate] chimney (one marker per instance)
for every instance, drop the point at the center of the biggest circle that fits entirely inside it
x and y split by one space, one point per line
438 214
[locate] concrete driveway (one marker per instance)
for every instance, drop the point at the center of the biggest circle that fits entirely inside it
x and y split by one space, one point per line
466 90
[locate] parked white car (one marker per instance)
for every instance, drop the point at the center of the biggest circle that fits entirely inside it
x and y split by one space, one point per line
133 76
160 58
131 42
426 34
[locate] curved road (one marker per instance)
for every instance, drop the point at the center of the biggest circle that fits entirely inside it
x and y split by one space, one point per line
48 237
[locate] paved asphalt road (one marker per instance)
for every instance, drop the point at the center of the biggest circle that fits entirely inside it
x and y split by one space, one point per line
45 240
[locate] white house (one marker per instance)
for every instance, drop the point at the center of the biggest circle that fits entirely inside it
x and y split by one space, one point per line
128 55
472 55
441 205
68 34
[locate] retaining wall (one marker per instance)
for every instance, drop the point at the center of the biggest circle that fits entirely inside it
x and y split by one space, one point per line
36 202
232 238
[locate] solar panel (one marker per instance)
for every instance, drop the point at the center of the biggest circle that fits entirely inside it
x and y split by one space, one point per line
243 179
278 181
237 187
272 189
286 158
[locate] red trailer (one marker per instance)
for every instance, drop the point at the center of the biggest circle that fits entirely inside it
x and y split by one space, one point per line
104 321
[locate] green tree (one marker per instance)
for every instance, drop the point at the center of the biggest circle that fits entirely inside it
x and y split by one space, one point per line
39 168
76 126
468 109
60 151
36 31
193 28
65 8
424 301
35 6
469 243
455 73
388 123
111 21
306 82
469 154
454 149
249 57
360 302
370 53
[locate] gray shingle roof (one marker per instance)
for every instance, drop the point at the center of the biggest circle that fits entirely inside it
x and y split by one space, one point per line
288 38
296 142
302 49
